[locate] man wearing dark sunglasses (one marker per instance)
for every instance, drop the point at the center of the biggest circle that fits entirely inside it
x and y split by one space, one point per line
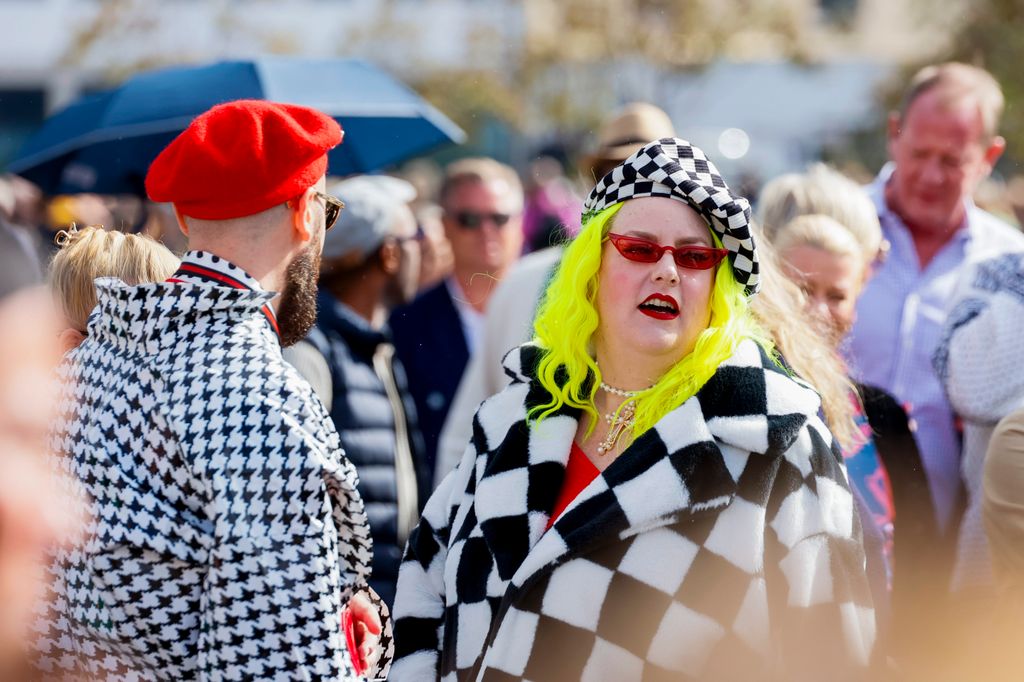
482 206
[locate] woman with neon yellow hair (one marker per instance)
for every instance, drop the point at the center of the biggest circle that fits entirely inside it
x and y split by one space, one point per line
654 496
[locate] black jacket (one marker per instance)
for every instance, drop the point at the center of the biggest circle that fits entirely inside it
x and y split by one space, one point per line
922 555
430 343
365 418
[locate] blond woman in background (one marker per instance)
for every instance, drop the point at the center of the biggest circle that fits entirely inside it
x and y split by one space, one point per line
826 232
90 253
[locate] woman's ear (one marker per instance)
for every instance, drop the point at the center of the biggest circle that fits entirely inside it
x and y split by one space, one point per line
69 339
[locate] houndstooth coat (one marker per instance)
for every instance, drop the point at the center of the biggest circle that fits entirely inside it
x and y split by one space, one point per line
722 544
226 529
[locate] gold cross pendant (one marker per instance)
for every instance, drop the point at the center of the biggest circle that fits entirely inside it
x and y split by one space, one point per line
617 425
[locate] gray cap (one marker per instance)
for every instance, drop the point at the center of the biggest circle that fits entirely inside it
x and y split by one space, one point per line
372 207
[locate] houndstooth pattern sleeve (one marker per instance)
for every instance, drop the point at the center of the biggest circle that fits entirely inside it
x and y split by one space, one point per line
281 562
420 596
814 564
226 531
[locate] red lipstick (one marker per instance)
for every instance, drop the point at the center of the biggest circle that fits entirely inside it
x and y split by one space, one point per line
660 307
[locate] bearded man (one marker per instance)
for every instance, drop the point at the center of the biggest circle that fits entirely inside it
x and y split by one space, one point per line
227 539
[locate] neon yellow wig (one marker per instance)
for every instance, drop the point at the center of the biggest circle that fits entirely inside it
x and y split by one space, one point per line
568 318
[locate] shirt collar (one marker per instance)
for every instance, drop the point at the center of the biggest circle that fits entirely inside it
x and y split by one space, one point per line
202 267
472 320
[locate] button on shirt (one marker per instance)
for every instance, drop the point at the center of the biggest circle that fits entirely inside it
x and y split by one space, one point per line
900 319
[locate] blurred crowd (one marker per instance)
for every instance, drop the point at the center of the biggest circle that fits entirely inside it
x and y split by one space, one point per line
900 301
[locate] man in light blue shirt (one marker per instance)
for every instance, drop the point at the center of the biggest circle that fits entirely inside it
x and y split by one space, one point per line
942 143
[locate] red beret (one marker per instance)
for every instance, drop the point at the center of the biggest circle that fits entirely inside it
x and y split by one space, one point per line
243 157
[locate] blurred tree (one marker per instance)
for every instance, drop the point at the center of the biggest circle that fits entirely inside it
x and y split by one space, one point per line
113 17
666 32
481 102
99 45
575 51
991 37
985 33
548 69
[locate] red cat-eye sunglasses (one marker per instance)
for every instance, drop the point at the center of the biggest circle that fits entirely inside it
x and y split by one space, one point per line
691 257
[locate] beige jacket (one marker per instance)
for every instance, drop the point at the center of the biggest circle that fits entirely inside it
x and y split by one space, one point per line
508 323
1003 506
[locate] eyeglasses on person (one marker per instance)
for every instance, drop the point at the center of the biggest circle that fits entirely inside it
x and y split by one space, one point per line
691 257
332 209
473 220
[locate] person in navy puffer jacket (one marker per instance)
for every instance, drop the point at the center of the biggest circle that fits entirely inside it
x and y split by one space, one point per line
370 263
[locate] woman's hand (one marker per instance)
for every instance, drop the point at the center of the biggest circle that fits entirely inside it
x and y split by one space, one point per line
366 629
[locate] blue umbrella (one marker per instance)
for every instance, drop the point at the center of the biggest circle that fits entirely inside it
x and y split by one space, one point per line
105 142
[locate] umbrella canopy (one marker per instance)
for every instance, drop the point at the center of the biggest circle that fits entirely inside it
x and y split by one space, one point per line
105 142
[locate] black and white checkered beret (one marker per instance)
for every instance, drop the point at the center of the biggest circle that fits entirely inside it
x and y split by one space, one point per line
674 168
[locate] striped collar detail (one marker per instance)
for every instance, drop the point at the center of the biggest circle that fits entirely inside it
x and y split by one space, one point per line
201 267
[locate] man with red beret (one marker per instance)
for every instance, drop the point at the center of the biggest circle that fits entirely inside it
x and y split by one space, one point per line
227 539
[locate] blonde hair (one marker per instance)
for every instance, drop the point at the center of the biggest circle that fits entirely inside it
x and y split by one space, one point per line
824 191
826 194
821 232
780 310
92 252
568 318
958 83
479 169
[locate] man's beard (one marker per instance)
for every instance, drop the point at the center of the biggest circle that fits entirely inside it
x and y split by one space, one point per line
296 314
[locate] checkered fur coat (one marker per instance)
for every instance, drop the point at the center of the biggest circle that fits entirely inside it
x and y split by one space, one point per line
226 529
722 544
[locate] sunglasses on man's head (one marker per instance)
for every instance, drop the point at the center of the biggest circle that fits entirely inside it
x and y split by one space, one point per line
332 209
471 220
691 257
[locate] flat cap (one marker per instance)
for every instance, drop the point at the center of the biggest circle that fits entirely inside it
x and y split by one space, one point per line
373 206
243 157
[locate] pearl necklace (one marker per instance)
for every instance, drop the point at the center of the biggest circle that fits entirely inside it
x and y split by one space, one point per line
618 391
